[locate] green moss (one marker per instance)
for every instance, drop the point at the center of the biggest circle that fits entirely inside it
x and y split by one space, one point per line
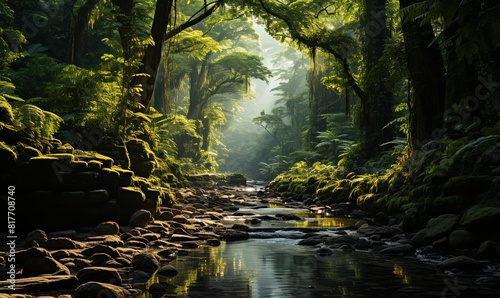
125 176
441 226
480 218
63 157
107 162
467 185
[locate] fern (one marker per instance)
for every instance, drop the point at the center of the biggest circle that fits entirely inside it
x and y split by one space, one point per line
42 124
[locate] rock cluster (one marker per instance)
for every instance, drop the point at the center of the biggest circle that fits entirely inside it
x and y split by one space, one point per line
110 257
67 187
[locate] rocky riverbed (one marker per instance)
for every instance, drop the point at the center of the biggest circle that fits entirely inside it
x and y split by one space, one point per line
112 260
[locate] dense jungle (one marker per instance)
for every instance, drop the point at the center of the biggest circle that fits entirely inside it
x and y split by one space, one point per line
156 121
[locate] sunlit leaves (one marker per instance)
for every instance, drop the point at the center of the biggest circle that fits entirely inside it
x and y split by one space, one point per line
196 44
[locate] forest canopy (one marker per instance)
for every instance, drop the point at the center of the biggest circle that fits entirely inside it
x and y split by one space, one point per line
365 87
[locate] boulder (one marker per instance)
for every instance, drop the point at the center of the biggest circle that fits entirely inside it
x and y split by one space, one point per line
44 265
140 218
420 239
36 238
167 271
99 274
440 226
232 235
61 243
107 228
131 199
146 262
101 248
31 253
157 289
412 221
460 263
480 219
100 258
463 239
98 289
487 250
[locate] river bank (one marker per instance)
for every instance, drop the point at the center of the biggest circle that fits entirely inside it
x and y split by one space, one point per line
138 259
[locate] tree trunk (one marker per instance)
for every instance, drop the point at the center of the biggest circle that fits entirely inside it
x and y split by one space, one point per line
427 74
376 110
152 55
78 29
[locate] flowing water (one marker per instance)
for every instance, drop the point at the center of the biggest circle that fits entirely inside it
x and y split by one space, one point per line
271 264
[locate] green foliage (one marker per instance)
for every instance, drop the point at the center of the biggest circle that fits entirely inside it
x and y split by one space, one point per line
40 123
11 39
470 27
73 90
41 69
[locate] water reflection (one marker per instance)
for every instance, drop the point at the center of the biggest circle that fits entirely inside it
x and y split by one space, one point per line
280 268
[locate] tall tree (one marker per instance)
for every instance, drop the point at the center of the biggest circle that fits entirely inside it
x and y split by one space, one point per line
218 69
427 76
376 108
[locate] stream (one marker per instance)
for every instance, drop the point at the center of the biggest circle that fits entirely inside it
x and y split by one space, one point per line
271 264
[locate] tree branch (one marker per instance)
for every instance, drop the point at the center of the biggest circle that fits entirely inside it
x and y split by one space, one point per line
193 21
323 45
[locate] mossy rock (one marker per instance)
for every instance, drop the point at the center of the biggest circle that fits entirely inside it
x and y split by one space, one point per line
138 148
94 165
131 198
481 219
467 185
107 162
79 165
143 168
64 148
96 196
236 179
152 206
441 226
141 182
63 157
125 176
167 197
109 177
152 193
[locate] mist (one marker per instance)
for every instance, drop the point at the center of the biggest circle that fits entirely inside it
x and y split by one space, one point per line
246 143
